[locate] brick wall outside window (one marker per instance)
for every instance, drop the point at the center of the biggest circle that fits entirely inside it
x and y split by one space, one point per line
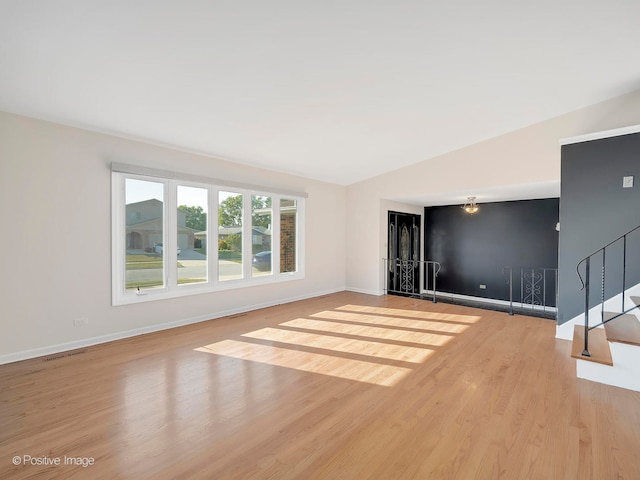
287 242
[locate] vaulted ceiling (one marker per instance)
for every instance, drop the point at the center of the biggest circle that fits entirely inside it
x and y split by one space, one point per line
332 90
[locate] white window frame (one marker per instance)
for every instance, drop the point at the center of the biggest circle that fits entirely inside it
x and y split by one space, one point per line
171 288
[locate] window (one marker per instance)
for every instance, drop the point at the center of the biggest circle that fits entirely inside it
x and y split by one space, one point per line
230 206
174 236
191 231
144 257
261 235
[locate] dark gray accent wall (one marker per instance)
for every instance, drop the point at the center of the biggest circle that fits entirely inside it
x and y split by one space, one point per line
594 210
473 249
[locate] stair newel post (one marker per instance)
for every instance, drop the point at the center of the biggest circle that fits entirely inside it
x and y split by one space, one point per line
604 258
434 281
624 268
585 352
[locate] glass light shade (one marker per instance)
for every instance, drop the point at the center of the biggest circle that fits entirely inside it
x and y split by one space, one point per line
471 209
471 206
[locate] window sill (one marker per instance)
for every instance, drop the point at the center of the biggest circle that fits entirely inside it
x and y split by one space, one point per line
197 289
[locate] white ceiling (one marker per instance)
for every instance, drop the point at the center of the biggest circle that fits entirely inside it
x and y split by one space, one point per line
333 90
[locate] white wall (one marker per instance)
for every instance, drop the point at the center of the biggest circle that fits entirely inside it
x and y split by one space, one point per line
55 208
55 213
370 221
509 162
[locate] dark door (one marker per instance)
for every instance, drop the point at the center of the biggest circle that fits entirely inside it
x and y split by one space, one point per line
403 264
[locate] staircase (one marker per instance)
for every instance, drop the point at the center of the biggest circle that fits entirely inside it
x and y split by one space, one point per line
615 353
609 351
619 328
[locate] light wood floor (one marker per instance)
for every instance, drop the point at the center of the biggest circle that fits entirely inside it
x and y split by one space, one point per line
345 386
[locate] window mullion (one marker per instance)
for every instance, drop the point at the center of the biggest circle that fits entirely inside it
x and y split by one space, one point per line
119 253
212 236
247 232
275 235
300 236
171 235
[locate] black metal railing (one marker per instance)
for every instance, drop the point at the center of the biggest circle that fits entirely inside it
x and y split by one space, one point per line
405 276
622 245
537 287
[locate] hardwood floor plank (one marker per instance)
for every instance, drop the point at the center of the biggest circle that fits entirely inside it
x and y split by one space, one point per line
340 386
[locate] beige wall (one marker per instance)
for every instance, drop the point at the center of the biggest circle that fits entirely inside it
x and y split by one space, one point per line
510 162
55 199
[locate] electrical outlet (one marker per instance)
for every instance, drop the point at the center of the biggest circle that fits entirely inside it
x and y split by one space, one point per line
81 322
483 286
627 182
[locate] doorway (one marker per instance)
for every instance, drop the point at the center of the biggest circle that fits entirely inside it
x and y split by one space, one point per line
403 255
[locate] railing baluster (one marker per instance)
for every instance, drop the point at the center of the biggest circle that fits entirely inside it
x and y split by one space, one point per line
624 268
587 281
585 352
530 287
544 289
533 291
604 258
395 284
521 288
434 283
395 281
510 291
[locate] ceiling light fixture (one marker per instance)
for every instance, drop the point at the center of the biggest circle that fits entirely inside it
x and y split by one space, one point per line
471 206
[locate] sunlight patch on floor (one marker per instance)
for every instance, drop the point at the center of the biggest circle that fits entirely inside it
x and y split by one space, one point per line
388 321
350 369
353 342
373 332
447 317
344 345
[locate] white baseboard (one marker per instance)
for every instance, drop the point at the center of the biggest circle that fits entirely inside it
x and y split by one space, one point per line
494 301
377 293
87 342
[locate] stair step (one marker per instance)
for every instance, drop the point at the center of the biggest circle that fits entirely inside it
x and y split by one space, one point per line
635 300
598 345
624 329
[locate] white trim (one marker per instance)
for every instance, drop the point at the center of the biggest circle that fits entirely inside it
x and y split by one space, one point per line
171 288
489 300
203 288
87 342
301 234
377 293
185 177
600 135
